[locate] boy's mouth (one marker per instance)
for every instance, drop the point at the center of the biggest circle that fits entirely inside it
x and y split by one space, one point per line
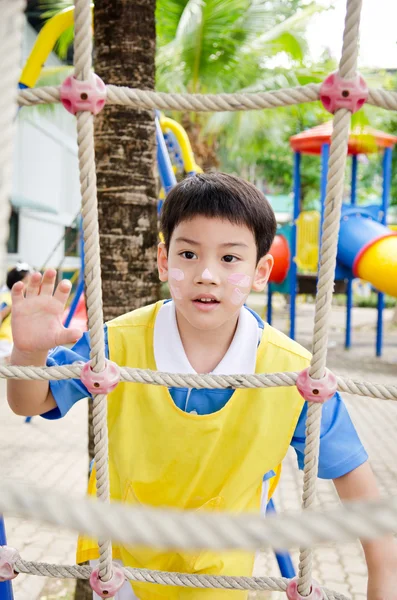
205 301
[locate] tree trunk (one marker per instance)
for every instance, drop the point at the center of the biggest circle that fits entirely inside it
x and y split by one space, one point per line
125 155
125 40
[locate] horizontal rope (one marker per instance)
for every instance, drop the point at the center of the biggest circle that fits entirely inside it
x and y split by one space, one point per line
203 102
189 530
198 102
224 582
238 381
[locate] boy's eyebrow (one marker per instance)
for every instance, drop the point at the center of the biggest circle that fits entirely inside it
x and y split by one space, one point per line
230 244
187 241
225 245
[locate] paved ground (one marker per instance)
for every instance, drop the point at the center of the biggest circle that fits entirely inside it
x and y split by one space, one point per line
53 455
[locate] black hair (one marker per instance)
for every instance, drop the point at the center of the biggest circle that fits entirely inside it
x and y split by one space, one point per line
222 196
18 273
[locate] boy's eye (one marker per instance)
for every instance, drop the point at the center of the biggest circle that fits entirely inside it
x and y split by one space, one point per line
189 255
229 258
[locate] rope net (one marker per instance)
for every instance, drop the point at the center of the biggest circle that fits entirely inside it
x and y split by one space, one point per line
165 528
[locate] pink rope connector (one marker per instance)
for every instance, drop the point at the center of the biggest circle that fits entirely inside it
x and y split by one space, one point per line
316 390
8 559
103 382
79 95
336 92
316 592
107 589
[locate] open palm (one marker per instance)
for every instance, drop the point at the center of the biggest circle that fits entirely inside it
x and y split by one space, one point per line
36 315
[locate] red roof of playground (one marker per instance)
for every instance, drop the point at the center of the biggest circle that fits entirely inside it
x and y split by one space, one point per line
362 140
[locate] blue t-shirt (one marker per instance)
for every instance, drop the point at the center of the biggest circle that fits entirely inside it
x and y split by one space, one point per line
341 450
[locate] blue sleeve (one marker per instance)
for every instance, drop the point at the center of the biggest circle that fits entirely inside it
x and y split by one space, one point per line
67 392
341 450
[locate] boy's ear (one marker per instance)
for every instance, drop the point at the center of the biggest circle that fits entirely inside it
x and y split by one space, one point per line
162 261
262 273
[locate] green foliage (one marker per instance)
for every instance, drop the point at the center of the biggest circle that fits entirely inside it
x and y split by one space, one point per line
225 45
49 8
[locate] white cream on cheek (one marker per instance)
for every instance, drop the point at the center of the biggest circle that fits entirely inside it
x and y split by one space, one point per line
176 292
239 279
177 274
238 297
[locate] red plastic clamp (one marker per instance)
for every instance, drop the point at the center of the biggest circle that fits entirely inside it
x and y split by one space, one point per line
78 95
316 592
8 559
336 92
316 390
107 589
103 382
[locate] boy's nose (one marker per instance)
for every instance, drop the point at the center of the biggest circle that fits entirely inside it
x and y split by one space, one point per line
207 276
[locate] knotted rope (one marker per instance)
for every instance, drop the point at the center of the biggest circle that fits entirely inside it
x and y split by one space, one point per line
326 276
171 529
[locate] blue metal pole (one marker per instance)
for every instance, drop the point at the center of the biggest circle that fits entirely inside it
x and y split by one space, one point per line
386 166
323 187
349 291
73 306
166 172
379 324
284 560
6 586
269 310
349 305
353 189
293 269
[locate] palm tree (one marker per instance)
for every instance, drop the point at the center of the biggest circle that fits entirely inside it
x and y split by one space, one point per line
125 43
125 151
211 46
125 147
226 46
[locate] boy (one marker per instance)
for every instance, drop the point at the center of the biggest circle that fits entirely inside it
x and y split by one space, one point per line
188 448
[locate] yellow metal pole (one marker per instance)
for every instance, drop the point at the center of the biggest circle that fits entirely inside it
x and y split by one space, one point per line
45 43
182 138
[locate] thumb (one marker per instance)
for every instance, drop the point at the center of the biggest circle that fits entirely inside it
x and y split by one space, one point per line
69 336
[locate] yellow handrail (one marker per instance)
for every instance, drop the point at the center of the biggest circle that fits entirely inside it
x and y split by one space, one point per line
45 43
182 138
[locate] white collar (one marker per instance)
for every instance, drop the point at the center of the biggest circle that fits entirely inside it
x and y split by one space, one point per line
170 355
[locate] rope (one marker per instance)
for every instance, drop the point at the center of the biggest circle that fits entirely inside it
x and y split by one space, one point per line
162 101
195 530
92 267
264 380
273 584
11 25
171 529
325 286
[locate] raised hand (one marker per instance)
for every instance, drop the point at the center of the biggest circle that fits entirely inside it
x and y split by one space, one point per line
37 313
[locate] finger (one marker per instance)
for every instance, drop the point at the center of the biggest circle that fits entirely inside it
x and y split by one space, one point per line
69 336
63 290
48 282
33 287
17 294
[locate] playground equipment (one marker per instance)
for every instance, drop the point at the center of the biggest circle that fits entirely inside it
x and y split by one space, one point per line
161 528
366 248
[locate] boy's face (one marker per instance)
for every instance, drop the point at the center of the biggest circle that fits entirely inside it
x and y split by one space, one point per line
211 268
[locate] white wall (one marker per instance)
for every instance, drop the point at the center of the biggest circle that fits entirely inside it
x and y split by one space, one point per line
45 175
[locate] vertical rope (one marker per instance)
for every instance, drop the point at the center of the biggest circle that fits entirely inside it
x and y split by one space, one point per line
329 236
92 270
11 27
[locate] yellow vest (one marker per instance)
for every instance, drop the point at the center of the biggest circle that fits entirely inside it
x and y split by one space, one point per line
5 326
162 456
